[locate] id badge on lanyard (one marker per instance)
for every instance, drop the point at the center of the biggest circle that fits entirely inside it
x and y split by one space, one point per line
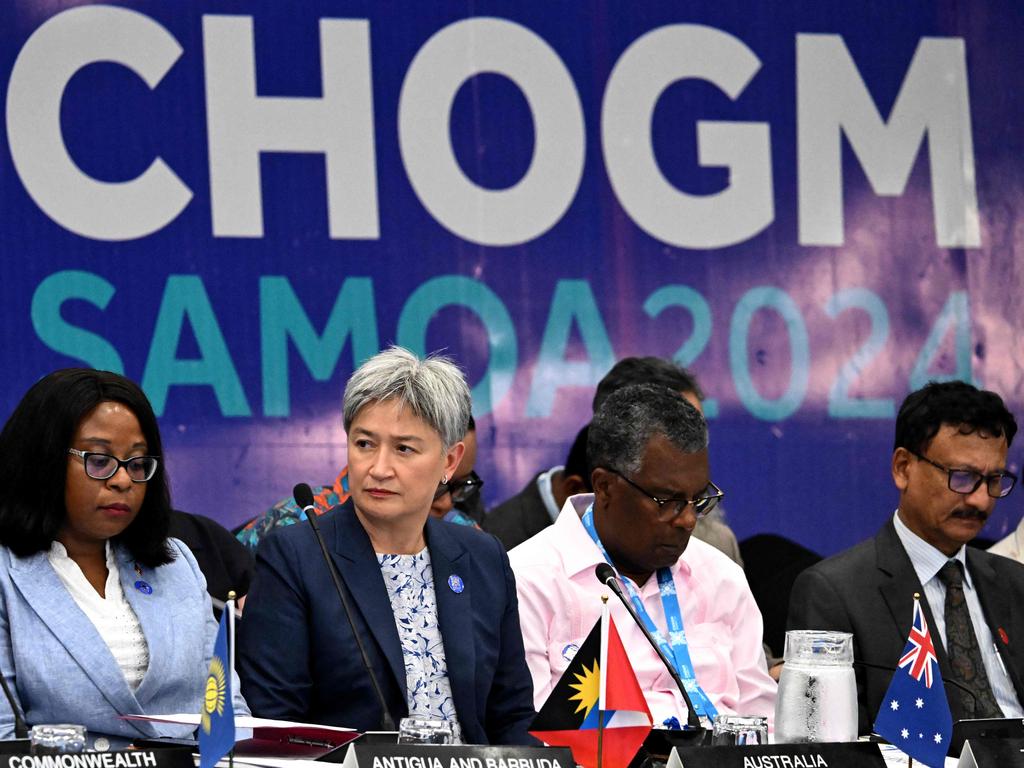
675 647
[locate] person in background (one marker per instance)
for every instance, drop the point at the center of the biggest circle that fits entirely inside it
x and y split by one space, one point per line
647 447
225 563
539 503
434 603
536 506
103 615
457 501
949 467
1012 546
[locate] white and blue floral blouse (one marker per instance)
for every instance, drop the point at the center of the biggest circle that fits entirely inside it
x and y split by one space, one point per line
410 583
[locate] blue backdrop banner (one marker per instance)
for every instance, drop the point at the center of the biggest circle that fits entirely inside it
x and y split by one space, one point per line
814 205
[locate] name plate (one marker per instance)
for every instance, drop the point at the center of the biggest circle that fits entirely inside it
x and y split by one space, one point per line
992 753
856 754
461 756
174 757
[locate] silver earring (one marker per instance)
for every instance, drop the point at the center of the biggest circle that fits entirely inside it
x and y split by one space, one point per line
444 479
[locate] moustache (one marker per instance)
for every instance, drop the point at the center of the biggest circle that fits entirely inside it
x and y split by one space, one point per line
970 514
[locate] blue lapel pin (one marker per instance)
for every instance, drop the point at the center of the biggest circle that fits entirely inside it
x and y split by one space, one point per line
143 587
456 584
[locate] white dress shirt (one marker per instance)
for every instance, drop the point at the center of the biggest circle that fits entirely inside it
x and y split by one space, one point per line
113 617
927 562
1012 546
547 495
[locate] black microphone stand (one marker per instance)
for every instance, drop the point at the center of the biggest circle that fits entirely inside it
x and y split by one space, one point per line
303 495
694 729
20 727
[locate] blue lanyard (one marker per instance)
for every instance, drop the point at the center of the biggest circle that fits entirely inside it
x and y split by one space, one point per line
676 647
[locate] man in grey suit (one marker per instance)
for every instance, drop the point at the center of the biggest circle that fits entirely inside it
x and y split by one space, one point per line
949 466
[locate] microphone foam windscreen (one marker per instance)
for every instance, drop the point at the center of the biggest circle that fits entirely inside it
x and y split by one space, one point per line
604 572
303 495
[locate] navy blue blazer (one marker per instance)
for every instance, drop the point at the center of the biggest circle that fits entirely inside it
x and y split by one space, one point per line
298 659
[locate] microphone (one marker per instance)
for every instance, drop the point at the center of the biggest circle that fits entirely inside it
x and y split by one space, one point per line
606 575
303 496
890 668
20 727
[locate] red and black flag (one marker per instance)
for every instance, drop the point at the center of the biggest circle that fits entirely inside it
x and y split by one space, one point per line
598 685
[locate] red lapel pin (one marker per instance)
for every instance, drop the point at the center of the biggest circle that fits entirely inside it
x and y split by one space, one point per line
1003 636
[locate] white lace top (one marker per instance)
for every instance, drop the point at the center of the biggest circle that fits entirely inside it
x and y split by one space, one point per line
410 583
112 616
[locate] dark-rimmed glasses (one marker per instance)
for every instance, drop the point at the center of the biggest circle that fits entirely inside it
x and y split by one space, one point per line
103 466
461 490
670 509
966 481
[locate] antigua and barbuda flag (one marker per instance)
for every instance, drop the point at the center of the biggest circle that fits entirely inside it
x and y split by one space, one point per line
599 681
217 718
915 713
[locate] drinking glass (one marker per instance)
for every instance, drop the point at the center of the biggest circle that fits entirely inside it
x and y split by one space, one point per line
57 739
416 729
739 730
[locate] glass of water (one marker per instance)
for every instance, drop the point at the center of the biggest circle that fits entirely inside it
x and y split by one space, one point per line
417 729
739 730
57 739
817 699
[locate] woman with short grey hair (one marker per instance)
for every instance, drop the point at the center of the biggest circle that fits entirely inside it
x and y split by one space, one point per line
436 602
434 389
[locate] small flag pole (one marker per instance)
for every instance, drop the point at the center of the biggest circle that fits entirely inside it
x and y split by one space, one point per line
910 760
230 608
600 703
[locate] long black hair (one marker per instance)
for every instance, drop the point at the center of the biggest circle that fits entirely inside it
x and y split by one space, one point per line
34 455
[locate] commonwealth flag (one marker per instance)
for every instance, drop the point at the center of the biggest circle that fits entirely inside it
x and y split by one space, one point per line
599 683
915 713
217 718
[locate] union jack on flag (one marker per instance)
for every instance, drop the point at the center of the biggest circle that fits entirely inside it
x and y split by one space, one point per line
920 652
914 714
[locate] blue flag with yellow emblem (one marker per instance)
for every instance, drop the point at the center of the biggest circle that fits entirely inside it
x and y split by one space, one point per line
217 719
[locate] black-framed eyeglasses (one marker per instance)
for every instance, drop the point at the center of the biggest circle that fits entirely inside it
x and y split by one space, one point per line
670 509
463 489
966 481
103 466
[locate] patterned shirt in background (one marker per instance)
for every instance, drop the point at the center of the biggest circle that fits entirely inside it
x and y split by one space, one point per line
410 583
325 497
287 512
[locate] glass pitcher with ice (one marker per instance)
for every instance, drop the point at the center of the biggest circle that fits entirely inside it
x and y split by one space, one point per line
817 699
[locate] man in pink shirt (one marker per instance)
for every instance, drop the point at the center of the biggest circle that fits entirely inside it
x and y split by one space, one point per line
648 455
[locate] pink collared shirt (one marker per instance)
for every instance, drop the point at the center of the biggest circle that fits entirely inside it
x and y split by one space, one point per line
560 600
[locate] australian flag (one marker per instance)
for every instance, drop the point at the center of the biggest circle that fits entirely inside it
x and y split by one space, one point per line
915 713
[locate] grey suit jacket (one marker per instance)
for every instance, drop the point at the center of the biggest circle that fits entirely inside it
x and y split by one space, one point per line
60 669
869 590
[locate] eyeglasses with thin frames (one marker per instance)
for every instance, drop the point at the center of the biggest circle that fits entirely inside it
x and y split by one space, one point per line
461 490
670 509
966 481
103 466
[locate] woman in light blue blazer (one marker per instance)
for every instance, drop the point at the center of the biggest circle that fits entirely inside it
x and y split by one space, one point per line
101 614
